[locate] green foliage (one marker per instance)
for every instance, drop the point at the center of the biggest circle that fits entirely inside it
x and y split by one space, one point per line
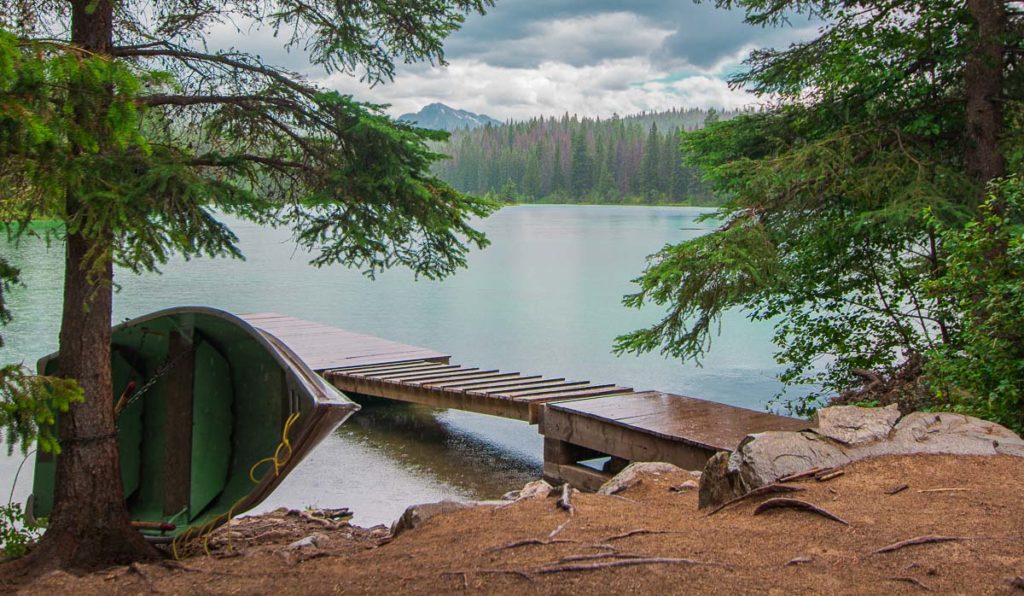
869 403
702 277
16 534
866 133
982 372
29 403
141 147
108 172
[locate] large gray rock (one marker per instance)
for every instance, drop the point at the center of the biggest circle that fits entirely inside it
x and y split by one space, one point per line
846 434
416 515
538 489
633 474
852 425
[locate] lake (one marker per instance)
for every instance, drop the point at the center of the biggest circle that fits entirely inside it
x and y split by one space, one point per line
544 298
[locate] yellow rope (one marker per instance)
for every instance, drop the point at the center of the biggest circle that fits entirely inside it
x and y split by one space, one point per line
278 461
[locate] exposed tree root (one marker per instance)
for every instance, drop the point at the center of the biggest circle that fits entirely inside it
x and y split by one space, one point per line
911 580
640 532
897 489
915 541
559 529
141 572
767 489
782 503
598 556
620 563
530 542
465 573
804 474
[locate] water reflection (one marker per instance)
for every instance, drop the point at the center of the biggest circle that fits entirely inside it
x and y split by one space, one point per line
544 298
390 455
424 442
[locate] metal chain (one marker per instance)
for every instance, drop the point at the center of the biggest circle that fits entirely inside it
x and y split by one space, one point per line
160 372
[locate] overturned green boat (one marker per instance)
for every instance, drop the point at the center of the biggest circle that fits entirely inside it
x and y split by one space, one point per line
212 415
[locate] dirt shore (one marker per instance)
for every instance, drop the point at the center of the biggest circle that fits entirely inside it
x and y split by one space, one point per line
650 538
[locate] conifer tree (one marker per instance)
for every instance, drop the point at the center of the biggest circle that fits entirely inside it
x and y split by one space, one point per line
116 120
889 124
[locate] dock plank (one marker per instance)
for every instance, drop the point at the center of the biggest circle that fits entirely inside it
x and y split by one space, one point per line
324 347
581 417
703 423
476 380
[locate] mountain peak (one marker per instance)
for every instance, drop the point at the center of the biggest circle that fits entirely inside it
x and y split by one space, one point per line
439 116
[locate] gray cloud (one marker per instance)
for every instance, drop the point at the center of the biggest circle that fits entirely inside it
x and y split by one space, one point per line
531 57
519 33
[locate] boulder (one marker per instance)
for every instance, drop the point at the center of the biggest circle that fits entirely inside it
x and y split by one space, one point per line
846 434
633 474
538 489
311 541
685 486
852 425
416 515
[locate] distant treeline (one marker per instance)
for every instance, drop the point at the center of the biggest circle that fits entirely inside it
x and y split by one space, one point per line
621 160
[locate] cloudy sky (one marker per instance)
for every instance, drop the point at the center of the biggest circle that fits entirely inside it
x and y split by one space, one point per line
527 58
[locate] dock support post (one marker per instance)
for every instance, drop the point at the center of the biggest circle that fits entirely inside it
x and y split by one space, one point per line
561 465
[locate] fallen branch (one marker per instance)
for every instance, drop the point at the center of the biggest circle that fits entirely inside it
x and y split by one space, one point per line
466 572
596 556
137 569
621 563
565 501
825 476
783 503
804 474
897 489
529 542
767 489
915 541
911 580
639 532
327 523
559 529
798 561
944 490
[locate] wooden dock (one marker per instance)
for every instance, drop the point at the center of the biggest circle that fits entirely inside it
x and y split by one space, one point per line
580 420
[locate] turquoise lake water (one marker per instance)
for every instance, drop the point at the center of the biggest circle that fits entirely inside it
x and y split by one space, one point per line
544 298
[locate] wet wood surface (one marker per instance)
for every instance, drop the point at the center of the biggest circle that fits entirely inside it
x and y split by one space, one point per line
703 423
601 418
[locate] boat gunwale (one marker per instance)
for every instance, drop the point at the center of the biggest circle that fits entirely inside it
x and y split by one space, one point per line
330 406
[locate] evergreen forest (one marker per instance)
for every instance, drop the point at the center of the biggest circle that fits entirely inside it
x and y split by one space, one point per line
620 160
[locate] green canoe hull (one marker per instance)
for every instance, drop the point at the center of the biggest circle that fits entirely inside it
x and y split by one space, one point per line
208 397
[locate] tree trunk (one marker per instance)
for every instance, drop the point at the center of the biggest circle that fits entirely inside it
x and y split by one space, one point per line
89 526
983 80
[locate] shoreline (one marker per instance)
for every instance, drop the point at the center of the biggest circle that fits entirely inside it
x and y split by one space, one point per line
646 538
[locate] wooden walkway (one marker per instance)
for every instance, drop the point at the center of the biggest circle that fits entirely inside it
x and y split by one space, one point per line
580 420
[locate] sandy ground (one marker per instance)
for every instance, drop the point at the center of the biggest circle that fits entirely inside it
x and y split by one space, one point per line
650 538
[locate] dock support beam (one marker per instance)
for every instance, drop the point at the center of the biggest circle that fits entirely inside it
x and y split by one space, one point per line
570 438
561 465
